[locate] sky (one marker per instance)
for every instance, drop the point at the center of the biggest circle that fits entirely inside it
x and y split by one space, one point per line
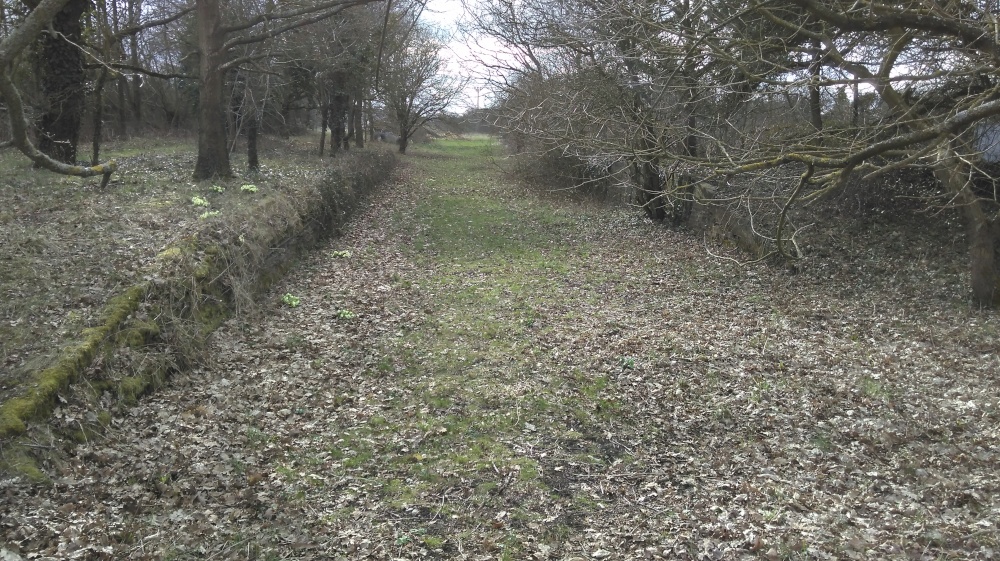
446 15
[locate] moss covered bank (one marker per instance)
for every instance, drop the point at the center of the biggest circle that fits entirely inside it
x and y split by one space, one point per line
157 325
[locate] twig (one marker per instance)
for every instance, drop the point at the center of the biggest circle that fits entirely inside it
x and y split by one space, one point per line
788 205
977 533
737 261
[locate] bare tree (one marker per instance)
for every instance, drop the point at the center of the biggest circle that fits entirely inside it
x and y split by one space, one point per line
682 92
11 47
217 40
414 85
60 68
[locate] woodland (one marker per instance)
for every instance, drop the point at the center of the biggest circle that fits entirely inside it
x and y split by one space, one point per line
720 283
480 369
224 70
767 107
770 106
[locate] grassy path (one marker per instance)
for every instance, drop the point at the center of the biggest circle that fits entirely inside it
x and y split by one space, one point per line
477 372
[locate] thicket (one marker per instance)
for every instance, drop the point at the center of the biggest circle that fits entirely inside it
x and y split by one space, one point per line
769 109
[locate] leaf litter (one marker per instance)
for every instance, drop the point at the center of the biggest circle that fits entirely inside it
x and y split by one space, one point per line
518 377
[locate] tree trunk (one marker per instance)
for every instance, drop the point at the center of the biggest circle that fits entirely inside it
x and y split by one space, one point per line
651 190
322 127
134 15
359 126
351 133
121 82
371 121
815 101
984 238
338 122
213 152
98 116
122 107
136 81
855 106
63 84
404 137
253 127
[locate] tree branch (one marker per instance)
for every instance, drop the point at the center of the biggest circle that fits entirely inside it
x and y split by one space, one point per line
10 48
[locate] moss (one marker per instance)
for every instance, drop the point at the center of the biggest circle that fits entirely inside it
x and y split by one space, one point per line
433 542
137 335
206 269
39 399
13 415
122 306
17 462
83 435
131 388
292 225
170 254
210 317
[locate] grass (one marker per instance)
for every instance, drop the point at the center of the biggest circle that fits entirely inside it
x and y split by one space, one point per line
499 260
529 377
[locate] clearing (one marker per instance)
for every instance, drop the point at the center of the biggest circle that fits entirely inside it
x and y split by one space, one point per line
480 371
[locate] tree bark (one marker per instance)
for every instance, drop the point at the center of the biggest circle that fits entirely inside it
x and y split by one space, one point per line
253 127
98 116
338 122
134 14
651 196
122 106
213 152
359 126
350 124
815 101
60 66
855 106
983 234
324 121
136 81
404 137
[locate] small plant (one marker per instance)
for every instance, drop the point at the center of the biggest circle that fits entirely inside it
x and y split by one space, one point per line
628 363
344 254
218 188
256 437
208 214
198 201
346 314
291 300
872 387
248 188
433 542
822 442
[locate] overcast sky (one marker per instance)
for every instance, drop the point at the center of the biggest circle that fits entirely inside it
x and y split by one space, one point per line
446 14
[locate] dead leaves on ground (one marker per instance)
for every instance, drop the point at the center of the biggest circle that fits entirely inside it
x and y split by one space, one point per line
640 401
